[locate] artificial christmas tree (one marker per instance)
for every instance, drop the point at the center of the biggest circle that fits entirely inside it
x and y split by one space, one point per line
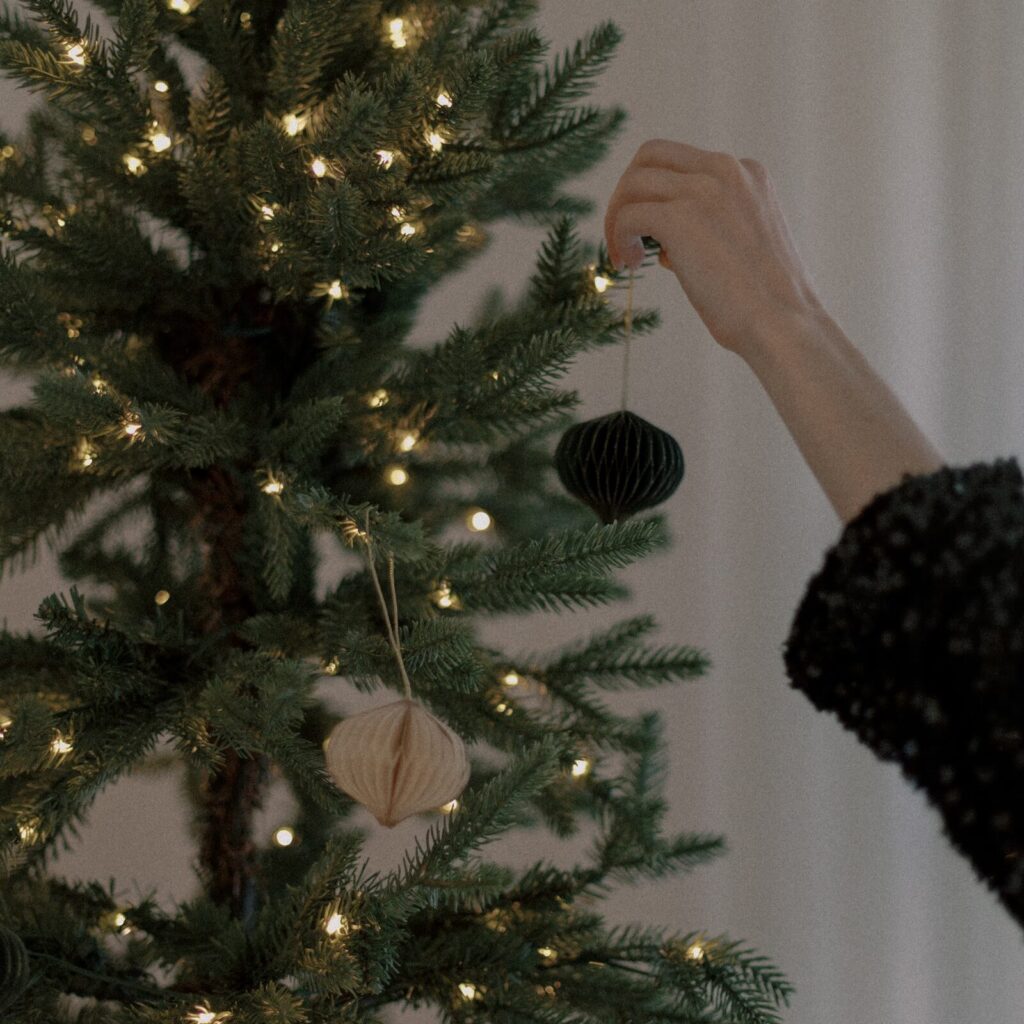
216 233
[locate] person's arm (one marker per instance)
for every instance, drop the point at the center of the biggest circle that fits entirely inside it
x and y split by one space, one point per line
851 429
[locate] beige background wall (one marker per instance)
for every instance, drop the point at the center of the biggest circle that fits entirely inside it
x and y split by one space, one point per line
895 135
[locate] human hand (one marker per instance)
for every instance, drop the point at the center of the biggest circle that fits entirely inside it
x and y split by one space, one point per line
721 231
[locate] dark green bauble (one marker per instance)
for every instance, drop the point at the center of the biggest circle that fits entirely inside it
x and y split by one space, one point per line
14 970
619 464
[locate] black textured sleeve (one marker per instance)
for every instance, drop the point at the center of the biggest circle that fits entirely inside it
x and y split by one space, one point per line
912 633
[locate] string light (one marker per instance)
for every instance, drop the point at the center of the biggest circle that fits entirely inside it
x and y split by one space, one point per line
131 427
161 597
443 99
601 283
85 453
580 767
396 30
267 211
397 476
449 808
408 441
76 53
294 123
549 954
284 836
337 924
272 486
28 831
468 990
511 678
444 598
695 952
478 520
504 709
435 140
318 167
407 230
385 158
397 212
378 398
5 723
204 1015
336 290
134 164
245 20
330 668
71 323
61 745
160 141
180 6
99 385
161 86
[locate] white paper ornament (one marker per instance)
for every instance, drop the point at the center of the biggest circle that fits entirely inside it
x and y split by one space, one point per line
397 760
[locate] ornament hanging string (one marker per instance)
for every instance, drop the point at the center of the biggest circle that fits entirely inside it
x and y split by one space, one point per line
628 324
391 626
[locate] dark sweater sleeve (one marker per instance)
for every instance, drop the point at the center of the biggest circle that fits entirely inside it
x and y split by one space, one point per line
912 634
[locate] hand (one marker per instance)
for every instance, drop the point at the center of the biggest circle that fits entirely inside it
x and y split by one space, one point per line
721 231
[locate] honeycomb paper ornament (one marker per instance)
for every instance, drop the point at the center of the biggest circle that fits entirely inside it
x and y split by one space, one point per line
397 760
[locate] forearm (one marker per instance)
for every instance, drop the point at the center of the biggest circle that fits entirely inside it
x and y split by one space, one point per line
850 428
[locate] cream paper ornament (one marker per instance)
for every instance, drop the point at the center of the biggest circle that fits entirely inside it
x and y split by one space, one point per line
397 760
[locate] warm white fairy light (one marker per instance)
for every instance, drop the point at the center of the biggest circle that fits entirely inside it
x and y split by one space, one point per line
267 211
160 141
161 86
284 836
444 598
547 953
396 30
276 247
76 53
131 427
378 398
443 99
407 230
479 520
397 476
99 385
161 597
294 123
5 723
180 6
408 441
436 141
601 283
134 165
85 453
511 678
204 1015
468 990
449 808
336 290
337 924
385 158
272 486
60 745
504 709
318 167
28 831
696 952
118 919
580 767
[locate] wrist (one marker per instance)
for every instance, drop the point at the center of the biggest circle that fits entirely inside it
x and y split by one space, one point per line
781 335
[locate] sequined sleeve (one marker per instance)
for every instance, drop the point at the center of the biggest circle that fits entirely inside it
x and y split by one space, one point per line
912 634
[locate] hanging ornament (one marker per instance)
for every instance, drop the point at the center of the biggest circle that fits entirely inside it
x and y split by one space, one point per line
14 970
399 759
619 464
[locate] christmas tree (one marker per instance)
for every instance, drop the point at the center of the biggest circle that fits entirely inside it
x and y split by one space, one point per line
218 226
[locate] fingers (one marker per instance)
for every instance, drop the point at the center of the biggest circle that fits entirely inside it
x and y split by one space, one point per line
648 184
679 156
632 221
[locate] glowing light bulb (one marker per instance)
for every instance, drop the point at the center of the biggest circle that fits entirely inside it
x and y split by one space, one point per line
28 831
134 164
5 724
444 598
160 142
435 140
407 230
468 990
449 808
61 745
580 767
478 520
76 54
318 167
378 398
408 441
385 157
695 952
85 454
272 486
284 836
397 476
131 427
294 123
511 679
181 6
99 385
331 667
547 953
267 211
336 289
204 1015
396 30
161 597
443 99
161 86
337 924
601 283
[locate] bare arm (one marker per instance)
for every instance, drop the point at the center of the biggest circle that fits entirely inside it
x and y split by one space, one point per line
852 430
